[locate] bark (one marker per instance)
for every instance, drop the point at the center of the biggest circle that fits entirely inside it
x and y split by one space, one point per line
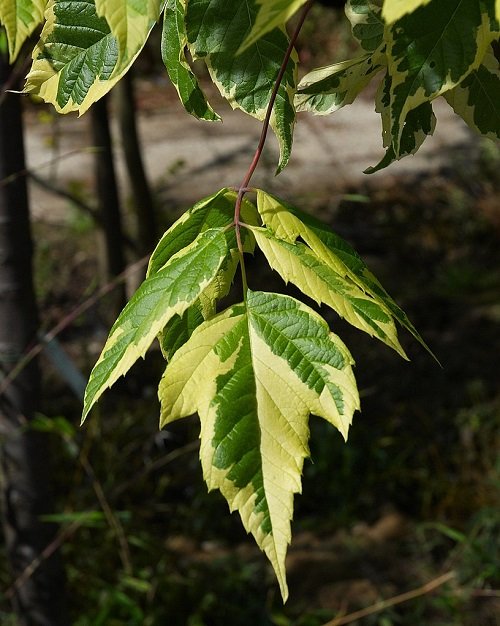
143 199
108 199
25 486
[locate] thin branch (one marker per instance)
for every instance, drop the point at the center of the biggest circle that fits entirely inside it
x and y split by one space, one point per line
399 599
83 206
10 179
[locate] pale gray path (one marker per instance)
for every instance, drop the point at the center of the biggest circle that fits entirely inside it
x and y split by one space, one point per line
188 159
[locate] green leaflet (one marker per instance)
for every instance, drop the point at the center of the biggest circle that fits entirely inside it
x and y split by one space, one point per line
394 9
420 123
366 23
216 29
271 14
20 18
431 51
288 224
130 22
170 291
254 373
77 60
216 211
328 89
477 98
173 43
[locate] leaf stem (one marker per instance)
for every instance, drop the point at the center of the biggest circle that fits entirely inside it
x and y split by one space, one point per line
243 188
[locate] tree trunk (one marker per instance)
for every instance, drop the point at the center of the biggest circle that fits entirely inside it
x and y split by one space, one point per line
107 194
39 598
141 191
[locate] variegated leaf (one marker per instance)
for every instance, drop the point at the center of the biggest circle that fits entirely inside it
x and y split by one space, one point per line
298 264
216 211
328 89
77 60
254 373
477 98
170 291
289 223
366 22
130 22
271 14
420 123
216 29
20 18
425 62
173 44
394 9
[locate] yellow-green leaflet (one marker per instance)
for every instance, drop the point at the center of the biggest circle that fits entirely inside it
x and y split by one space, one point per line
271 14
394 9
20 18
254 374
171 291
130 22
78 58
338 272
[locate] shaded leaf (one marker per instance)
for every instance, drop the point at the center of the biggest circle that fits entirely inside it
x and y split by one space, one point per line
420 123
254 373
216 29
477 98
173 43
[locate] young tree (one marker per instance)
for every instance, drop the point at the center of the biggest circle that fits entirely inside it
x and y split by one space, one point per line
25 486
256 371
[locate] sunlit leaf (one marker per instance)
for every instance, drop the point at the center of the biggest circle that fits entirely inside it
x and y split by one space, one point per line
20 18
254 373
289 223
366 22
215 211
170 291
271 14
429 52
130 22
77 60
328 89
394 9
